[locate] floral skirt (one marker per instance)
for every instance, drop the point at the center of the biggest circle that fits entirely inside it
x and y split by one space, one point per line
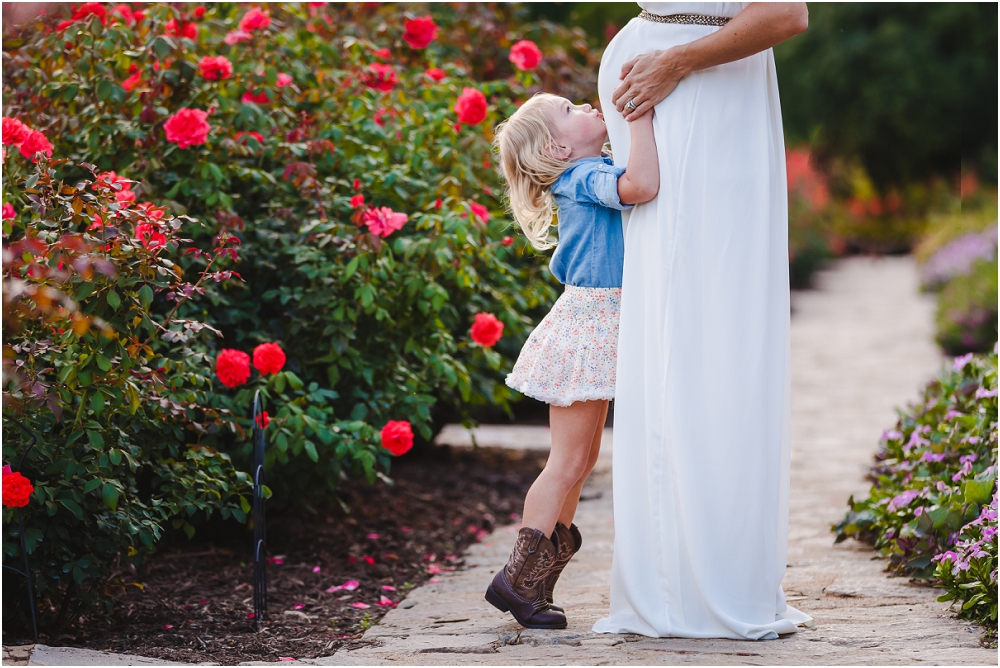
572 353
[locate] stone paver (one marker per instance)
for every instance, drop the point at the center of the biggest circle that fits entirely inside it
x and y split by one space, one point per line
861 346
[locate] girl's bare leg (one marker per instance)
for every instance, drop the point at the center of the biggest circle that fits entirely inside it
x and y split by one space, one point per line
573 430
573 498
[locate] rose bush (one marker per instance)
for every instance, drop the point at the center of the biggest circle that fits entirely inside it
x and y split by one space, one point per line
112 388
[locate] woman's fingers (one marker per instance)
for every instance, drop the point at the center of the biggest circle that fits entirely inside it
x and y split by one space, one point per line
621 95
627 67
641 108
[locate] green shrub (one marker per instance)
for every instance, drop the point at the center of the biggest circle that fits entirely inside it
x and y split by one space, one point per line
118 458
967 310
933 481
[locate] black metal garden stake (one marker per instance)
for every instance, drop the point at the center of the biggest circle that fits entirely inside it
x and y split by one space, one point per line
259 521
26 574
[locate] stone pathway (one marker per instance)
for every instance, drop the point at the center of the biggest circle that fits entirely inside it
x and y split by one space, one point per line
861 346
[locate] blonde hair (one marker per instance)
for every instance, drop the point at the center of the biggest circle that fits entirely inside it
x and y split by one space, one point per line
523 142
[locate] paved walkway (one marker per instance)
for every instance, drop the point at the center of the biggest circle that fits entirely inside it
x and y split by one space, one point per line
861 346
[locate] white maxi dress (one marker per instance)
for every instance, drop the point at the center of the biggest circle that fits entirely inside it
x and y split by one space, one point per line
701 447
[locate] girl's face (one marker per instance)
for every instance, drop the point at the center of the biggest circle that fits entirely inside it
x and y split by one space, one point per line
577 127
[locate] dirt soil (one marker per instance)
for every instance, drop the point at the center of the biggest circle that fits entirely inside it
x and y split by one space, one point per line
192 603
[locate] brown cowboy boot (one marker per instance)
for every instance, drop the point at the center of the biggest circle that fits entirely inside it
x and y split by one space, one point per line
519 587
570 541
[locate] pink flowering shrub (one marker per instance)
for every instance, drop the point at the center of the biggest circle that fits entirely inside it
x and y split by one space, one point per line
932 508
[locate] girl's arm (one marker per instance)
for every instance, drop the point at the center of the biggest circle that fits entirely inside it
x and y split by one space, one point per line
641 180
650 77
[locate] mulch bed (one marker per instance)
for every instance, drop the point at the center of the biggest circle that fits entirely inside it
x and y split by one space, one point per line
194 600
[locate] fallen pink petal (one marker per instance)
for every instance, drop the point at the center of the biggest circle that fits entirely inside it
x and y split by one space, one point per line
386 601
167 626
360 606
316 569
298 606
388 588
372 536
350 585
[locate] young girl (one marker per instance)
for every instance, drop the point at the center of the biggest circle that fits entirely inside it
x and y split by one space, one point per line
551 155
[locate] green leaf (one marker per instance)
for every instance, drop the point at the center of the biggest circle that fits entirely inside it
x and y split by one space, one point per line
104 89
279 382
352 267
69 92
978 491
114 301
96 439
91 485
115 456
294 380
97 402
145 297
110 493
103 362
311 451
83 291
161 47
73 507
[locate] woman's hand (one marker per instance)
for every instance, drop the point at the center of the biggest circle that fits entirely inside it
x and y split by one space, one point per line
649 78
646 80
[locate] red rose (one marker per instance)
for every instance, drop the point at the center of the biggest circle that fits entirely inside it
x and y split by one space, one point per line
33 143
150 236
486 330
259 98
232 367
268 358
8 211
256 135
190 31
397 437
436 73
383 221
263 420
255 19
507 241
215 67
187 127
381 77
420 32
480 212
133 82
199 13
17 489
437 203
525 55
124 11
14 131
471 106
356 201
236 36
383 53
86 9
357 184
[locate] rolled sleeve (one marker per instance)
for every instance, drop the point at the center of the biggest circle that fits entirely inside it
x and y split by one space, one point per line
592 183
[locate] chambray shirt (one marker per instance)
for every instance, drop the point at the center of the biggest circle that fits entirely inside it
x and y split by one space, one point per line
591 248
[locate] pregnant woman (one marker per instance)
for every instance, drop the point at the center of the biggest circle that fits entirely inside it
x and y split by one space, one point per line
701 448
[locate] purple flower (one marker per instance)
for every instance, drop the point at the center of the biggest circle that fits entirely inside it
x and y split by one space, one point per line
945 556
961 361
957 257
891 435
968 458
904 499
952 414
983 393
933 457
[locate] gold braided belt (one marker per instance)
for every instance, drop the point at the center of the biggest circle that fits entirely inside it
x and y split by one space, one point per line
688 19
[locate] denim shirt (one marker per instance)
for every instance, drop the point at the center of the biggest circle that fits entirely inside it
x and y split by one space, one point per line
591 248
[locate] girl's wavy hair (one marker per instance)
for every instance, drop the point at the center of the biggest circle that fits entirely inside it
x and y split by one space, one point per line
523 143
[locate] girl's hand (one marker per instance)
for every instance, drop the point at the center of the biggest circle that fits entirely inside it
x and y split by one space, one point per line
646 80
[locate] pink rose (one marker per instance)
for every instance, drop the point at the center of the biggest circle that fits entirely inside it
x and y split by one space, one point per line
235 36
283 80
187 127
486 329
436 73
420 32
525 55
383 221
381 77
33 143
397 437
132 82
255 19
471 106
480 212
14 131
8 211
215 67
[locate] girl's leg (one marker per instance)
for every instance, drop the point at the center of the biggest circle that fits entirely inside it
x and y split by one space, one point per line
573 498
573 430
